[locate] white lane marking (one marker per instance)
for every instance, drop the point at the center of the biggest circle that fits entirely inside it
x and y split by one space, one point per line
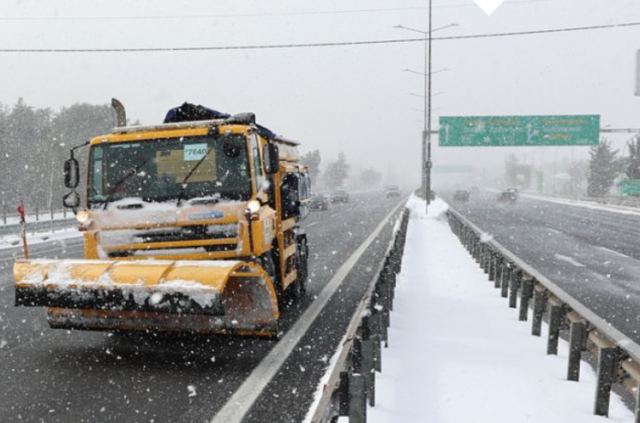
311 224
241 401
577 203
609 250
568 260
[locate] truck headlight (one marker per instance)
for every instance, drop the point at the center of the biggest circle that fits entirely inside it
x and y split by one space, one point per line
253 207
83 217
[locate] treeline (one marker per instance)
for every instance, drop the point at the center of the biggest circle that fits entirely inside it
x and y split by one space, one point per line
606 165
337 174
602 174
34 143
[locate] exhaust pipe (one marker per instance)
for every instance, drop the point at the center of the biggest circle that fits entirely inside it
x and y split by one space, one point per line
121 113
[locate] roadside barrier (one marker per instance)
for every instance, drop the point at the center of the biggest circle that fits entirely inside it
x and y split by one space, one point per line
350 380
42 225
617 358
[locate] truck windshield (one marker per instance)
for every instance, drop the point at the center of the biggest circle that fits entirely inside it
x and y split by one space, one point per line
153 170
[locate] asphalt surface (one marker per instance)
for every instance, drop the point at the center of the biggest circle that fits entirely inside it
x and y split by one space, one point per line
594 255
78 376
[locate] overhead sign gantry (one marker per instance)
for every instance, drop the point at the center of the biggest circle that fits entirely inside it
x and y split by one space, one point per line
525 131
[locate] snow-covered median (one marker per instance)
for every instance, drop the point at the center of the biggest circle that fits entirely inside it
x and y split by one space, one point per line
457 353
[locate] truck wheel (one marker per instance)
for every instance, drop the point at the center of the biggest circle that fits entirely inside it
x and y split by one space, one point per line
302 252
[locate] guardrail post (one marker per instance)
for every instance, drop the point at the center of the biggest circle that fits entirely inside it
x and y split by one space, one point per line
357 384
37 214
4 212
636 411
377 353
514 286
357 399
577 335
539 303
525 295
382 302
506 277
391 285
375 321
343 394
607 358
486 258
476 249
555 315
64 212
497 271
367 360
492 266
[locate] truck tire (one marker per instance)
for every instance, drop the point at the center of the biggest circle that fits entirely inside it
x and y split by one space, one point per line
302 253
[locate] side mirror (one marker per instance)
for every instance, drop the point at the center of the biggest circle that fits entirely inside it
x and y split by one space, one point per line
71 200
71 173
272 159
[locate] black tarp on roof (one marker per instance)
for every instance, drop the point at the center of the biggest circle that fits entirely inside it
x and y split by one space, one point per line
190 112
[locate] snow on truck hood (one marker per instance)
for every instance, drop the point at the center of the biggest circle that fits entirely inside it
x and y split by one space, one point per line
122 213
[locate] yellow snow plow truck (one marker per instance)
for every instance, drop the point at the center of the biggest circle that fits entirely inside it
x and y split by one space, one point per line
189 226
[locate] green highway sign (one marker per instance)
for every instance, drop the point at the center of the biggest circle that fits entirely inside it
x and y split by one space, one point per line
631 187
524 131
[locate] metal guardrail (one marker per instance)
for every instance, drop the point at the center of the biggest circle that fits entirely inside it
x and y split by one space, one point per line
351 377
617 357
43 225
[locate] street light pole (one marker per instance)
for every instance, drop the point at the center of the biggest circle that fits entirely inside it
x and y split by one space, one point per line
427 134
425 189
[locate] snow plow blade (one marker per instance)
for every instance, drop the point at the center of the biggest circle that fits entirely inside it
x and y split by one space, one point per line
223 296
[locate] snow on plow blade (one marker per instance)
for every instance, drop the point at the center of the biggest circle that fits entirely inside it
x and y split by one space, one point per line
223 296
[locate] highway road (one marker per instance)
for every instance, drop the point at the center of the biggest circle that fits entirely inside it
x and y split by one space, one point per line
592 254
77 376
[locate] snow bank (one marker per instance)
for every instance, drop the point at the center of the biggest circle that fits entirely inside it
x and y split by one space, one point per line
457 353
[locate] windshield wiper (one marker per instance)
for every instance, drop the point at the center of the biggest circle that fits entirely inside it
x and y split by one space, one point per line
125 178
195 167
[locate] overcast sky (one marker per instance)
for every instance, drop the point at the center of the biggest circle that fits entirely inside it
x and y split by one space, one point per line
355 99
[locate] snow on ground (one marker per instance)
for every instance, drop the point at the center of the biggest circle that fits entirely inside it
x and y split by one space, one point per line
457 353
14 240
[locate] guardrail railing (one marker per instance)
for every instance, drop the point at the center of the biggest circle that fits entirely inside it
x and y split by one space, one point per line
350 379
41 225
617 357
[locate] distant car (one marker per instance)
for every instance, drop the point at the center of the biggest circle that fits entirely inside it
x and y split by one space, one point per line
391 191
320 202
461 195
340 196
508 195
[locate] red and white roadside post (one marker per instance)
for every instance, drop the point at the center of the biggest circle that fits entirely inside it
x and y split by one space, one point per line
23 229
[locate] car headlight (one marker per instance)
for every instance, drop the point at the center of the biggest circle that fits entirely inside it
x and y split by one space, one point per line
83 217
